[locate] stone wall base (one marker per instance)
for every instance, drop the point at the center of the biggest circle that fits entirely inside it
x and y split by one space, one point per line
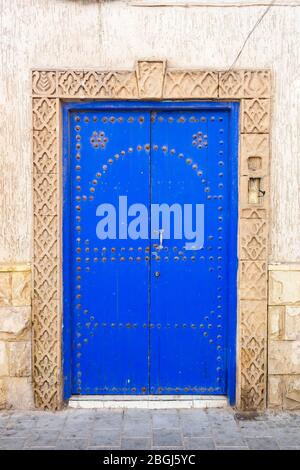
16 390
284 337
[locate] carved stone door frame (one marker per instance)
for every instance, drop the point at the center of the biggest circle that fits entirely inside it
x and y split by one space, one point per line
151 79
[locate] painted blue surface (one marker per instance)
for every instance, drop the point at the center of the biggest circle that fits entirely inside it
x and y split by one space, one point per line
127 331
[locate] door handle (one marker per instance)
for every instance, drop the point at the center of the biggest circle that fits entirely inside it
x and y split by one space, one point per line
161 239
157 274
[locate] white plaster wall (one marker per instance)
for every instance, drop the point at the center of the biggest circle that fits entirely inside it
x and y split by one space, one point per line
113 34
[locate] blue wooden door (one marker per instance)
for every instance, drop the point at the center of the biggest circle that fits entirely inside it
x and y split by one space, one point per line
110 155
188 286
155 313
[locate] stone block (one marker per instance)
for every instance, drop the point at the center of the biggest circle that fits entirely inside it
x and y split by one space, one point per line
5 289
2 394
19 358
276 322
275 395
14 320
291 396
284 287
292 323
21 288
284 357
257 83
3 359
150 76
254 154
19 393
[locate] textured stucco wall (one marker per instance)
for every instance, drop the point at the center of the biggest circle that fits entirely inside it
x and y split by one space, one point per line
112 35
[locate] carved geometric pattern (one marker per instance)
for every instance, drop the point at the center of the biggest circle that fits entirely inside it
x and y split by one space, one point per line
46 369
257 83
150 76
44 113
149 80
250 213
45 311
245 84
253 280
255 116
46 244
45 195
253 239
44 121
97 84
231 84
43 83
253 325
192 84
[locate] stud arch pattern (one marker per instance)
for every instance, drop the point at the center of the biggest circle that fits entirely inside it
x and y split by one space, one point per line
151 79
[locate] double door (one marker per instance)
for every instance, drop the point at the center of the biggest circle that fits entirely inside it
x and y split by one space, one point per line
149 250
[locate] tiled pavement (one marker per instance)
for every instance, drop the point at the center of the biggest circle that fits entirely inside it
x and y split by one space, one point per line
149 429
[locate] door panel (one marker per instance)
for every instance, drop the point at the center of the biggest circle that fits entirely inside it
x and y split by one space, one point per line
109 158
188 287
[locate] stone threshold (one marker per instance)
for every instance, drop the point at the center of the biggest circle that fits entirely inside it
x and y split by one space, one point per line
151 402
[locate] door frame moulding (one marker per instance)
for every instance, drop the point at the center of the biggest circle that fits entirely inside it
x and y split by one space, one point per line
232 108
151 80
